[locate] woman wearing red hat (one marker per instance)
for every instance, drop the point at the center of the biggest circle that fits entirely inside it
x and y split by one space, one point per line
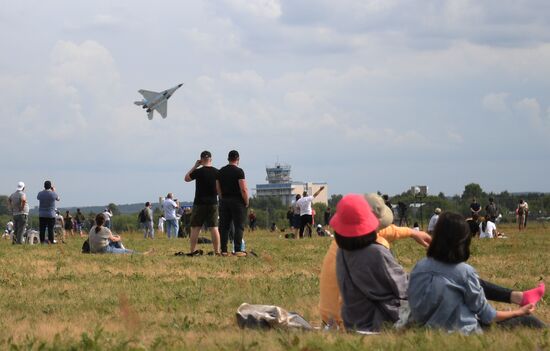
372 283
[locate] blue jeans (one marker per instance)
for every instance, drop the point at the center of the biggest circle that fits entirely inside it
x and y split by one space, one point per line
114 248
172 228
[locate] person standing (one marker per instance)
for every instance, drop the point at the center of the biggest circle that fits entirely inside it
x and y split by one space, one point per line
296 215
59 227
491 209
433 220
68 219
79 219
148 230
205 204
170 206
252 220
161 222
289 215
306 212
475 207
526 214
387 201
521 211
327 216
19 206
46 211
233 193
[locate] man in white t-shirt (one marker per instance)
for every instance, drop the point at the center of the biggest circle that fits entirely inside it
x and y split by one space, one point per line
170 206
306 218
488 229
433 220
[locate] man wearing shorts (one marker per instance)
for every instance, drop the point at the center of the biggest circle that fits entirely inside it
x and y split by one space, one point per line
205 205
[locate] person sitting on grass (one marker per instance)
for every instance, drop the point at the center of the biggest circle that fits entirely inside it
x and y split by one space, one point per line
102 240
446 293
330 301
372 283
488 229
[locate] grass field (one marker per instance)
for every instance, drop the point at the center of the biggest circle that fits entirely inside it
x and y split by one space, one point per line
54 297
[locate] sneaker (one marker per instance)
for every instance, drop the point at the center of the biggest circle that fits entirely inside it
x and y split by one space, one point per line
240 254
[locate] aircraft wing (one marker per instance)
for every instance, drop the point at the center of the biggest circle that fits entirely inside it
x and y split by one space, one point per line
162 108
148 95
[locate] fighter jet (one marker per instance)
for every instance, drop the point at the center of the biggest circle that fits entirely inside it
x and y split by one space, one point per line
156 101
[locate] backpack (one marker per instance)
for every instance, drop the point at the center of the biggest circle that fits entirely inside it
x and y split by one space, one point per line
86 246
142 217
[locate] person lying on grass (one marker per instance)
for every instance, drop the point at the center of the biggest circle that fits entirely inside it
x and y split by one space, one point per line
446 293
102 240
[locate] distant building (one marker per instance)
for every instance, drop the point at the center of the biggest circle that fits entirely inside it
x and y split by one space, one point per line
280 184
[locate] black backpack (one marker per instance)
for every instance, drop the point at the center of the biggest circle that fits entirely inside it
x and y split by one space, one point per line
86 246
141 216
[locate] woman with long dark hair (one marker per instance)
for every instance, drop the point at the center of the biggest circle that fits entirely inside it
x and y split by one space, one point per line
102 240
446 293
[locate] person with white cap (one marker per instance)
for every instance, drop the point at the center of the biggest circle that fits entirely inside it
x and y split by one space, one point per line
20 211
433 220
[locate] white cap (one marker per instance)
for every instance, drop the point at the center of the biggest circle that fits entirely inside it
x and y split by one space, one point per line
20 186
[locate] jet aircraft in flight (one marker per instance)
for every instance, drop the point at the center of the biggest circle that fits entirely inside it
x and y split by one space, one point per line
156 101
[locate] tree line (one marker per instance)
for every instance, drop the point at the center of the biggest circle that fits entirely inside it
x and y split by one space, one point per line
270 210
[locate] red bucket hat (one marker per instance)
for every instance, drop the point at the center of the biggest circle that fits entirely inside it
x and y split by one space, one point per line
354 217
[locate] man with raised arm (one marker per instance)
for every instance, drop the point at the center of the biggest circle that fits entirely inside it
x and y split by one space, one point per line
306 217
205 204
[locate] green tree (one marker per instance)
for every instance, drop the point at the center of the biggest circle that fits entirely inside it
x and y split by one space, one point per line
4 205
113 208
319 208
333 201
472 190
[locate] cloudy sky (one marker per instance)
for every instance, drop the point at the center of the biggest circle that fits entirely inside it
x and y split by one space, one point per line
363 94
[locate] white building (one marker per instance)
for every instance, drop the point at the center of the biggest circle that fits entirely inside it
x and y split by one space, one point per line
281 185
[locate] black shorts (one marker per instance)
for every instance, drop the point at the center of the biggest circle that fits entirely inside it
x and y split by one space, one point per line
204 214
296 221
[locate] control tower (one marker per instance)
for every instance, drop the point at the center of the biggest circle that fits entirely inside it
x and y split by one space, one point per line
278 174
280 185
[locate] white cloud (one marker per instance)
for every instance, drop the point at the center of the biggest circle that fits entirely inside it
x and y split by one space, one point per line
530 109
496 102
261 8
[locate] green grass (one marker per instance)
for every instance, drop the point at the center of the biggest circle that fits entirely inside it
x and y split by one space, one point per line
54 297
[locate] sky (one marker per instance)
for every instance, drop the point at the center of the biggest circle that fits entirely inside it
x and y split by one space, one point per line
367 95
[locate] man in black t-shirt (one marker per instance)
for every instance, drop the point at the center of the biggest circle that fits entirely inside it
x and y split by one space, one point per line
233 194
475 207
205 205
